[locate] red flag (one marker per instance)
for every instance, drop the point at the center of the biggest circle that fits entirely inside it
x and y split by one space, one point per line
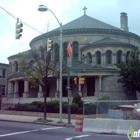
69 50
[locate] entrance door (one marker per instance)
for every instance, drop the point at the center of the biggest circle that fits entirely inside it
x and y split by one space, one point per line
21 88
90 86
64 88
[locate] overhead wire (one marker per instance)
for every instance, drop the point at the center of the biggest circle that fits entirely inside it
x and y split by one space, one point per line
20 20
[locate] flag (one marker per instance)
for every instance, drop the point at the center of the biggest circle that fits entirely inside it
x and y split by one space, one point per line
69 50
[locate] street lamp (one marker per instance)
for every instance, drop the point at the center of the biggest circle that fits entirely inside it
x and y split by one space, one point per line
43 8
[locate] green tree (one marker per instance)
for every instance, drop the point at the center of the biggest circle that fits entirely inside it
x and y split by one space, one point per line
130 74
38 68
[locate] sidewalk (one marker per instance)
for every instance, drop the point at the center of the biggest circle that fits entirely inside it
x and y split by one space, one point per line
32 117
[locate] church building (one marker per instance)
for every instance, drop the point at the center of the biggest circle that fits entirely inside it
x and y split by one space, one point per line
97 47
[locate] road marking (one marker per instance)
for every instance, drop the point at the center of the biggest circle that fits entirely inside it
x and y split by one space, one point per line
51 128
81 136
23 132
16 133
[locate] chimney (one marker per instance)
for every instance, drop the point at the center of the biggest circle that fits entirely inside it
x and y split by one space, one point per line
124 21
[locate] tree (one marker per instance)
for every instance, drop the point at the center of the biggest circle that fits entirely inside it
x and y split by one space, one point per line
38 69
130 74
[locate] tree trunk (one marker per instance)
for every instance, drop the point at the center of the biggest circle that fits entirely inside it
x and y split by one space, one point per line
45 108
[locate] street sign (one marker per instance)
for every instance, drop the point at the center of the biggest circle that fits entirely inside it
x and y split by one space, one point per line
69 93
69 62
73 73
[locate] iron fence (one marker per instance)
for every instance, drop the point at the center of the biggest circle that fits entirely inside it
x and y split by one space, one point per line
115 109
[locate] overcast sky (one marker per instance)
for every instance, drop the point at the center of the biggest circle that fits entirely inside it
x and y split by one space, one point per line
66 10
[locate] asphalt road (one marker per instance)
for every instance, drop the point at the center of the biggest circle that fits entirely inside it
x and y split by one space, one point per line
29 131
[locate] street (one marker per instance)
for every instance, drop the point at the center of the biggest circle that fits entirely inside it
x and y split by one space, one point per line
29 131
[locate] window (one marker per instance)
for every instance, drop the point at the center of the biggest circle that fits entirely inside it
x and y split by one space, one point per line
16 66
41 52
2 73
119 56
65 44
75 50
56 53
48 58
2 89
89 58
127 56
108 57
98 58
83 58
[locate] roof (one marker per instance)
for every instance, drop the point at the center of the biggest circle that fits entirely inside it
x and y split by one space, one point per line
86 22
16 55
78 66
107 41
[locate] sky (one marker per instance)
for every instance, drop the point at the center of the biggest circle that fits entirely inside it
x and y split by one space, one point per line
107 11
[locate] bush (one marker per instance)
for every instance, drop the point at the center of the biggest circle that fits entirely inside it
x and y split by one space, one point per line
90 109
74 108
64 107
37 103
80 111
77 100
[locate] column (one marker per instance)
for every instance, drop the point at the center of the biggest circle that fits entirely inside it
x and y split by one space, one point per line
16 95
40 93
100 83
9 89
79 87
114 58
103 59
57 88
26 89
93 59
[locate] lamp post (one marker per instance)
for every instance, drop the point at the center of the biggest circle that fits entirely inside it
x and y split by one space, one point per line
43 8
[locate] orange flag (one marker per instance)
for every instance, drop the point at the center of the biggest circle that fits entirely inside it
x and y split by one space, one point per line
69 50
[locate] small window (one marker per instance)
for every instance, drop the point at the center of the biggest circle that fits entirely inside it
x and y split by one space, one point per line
119 56
75 50
89 58
2 89
108 57
65 51
56 52
127 56
98 58
2 73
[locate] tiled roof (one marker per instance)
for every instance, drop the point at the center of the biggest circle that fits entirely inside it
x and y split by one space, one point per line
106 41
86 22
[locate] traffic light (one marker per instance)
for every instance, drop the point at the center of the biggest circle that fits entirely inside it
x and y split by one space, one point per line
19 29
81 81
75 80
49 44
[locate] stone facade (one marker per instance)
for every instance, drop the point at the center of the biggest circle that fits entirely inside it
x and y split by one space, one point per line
95 51
3 79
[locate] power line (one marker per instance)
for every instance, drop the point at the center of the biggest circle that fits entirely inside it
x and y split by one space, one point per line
20 20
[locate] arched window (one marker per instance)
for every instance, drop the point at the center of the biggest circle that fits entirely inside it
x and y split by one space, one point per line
48 57
15 66
119 56
83 58
65 44
89 58
10 68
127 56
108 57
56 52
98 58
41 52
75 50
